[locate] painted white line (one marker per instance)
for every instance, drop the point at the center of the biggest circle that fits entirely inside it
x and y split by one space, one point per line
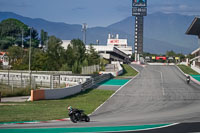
162 82
116 91
159 127
169 125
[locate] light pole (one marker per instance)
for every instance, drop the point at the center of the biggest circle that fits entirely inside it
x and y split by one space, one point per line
30 56
22 38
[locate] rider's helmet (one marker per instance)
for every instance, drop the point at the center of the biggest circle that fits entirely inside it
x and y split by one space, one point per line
69 108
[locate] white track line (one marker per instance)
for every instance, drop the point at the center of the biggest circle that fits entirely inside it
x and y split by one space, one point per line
148 128
117 90
161 76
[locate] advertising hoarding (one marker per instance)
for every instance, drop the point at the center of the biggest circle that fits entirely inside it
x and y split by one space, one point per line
139 3
161 58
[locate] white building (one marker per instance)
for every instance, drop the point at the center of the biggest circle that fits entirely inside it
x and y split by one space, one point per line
4 58
65 43
110 53
121 44
194 29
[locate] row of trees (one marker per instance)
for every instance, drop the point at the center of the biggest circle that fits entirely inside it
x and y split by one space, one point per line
54 58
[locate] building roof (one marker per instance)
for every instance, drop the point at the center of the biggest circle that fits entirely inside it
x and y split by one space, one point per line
194 28
195 51
65 43
3 53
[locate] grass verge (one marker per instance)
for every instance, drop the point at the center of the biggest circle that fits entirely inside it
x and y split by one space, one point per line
188 70
53 109
128 71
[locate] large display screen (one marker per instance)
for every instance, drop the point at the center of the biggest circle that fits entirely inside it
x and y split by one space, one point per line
139 11
139 3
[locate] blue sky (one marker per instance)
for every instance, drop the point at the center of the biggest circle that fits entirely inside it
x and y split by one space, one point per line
93 12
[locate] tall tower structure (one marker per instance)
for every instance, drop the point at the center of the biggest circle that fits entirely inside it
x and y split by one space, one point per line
139 10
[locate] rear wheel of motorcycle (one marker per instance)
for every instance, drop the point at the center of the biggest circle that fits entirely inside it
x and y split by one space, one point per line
87 119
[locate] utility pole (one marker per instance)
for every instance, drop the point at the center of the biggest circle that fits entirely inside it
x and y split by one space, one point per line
30 57
22 38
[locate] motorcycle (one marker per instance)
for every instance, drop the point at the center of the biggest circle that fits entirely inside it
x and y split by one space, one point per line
188 79
78 116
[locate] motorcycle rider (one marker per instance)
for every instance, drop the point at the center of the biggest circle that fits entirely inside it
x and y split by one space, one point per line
75 111
188 79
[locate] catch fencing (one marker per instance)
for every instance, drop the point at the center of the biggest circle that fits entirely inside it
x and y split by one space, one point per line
90 69
24 80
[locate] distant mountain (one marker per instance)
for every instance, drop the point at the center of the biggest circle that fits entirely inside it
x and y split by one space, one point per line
161 31
61 30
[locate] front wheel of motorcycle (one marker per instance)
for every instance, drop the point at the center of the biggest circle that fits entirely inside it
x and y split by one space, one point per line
73 119
87 119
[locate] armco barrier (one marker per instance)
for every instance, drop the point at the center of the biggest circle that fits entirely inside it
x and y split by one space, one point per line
47 94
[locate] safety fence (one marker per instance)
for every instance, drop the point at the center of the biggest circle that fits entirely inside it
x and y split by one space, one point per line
23 80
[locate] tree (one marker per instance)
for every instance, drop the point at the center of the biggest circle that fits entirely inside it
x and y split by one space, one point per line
75 55
170 53
43 37
93 57
54 53
15 54
12 31
34 38
70 56
79 49
85 62
76 68
39 60
65 67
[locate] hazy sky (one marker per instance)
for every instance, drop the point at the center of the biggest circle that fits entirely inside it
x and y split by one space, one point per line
93 12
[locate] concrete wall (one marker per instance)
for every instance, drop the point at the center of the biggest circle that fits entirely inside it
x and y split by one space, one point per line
47 94
118 72
62 93
120 69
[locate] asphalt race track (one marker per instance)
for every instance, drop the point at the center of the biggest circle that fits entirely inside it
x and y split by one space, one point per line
158 95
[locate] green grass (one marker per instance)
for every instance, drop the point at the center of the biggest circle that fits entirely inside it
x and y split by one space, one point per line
128 71
188 70
53 109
